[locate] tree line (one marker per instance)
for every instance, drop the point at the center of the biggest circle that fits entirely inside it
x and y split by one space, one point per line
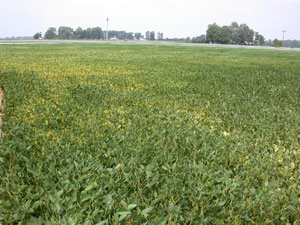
232 34
285 43
292 43
95 33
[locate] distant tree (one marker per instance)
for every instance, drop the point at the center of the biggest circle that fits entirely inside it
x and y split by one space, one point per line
195 40
234 27
152 35
245 35
268 42
112 34
160 36
198 39
89 33
202 37
276 43
224 35
233 34
121 35
96 33
129 36
37 35
79 33
147 35
259 39
250 37
212 32
175 39
292 43
50 33
137 36
65 32
84 34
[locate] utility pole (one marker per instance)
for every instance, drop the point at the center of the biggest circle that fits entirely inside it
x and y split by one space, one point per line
283 37
107 28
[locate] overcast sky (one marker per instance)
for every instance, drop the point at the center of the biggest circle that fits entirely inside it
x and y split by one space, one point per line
175 18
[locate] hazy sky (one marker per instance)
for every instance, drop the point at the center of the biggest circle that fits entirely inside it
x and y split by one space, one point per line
175 18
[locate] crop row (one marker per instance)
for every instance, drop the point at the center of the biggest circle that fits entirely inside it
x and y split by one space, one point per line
108 134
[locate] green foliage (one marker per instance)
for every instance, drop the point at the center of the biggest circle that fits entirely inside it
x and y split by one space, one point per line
276 43
199 39
37 35
137 36
224 35
65 32
68 33
79 33
121 35
212 32
259 39
147 35
129 36
51 33
117 134
160 36
97 33
244 35
234 28
292 43
152 35
233 34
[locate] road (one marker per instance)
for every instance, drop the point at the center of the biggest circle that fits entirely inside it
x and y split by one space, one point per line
139 43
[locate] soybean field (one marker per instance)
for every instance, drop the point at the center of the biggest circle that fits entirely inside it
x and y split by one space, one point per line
149 134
